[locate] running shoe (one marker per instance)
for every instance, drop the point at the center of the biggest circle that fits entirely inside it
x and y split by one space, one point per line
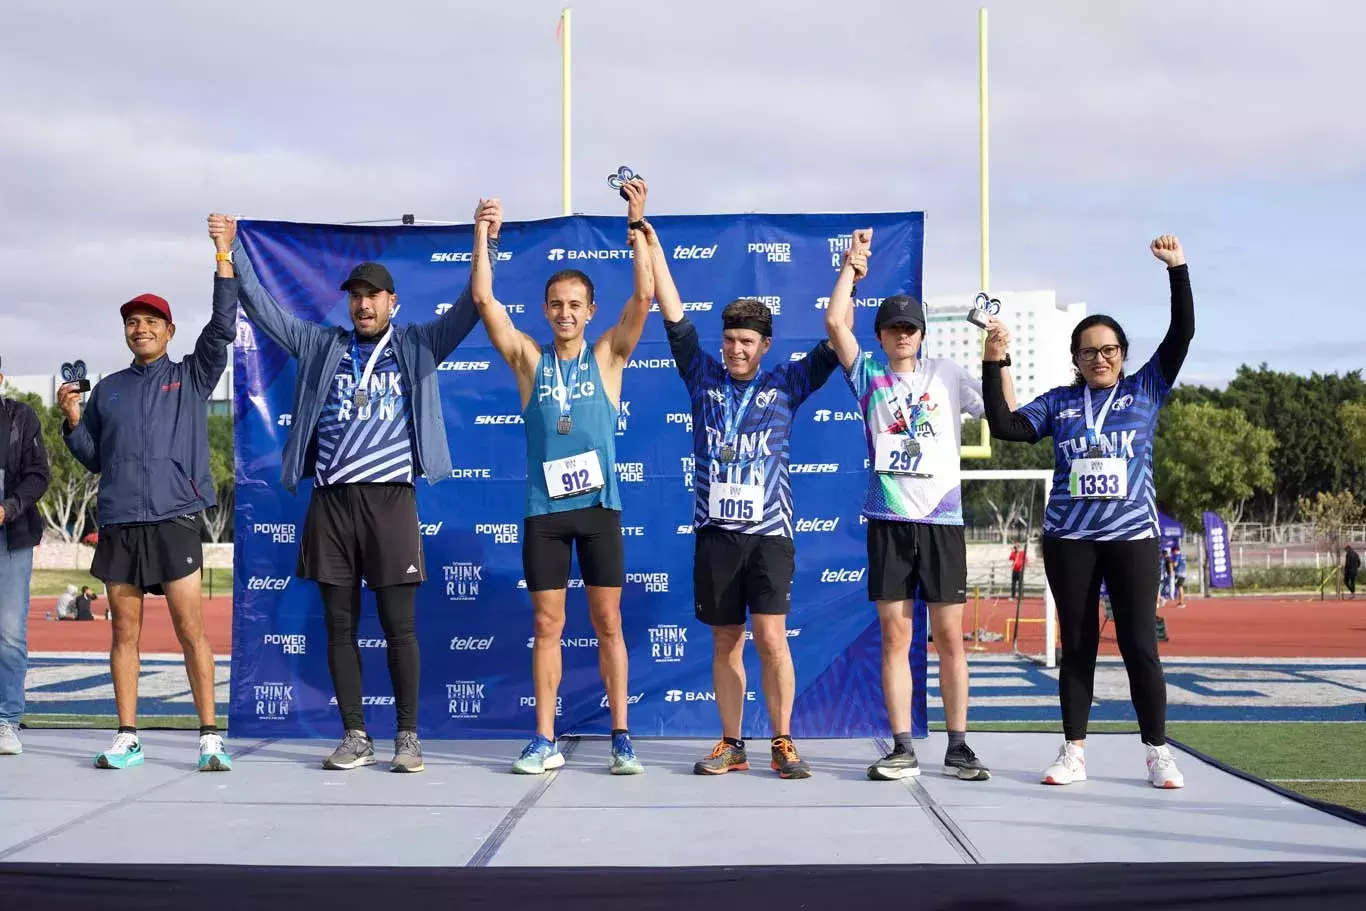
9 739
1069 767
962 762
899 763
624 761
724 758
407 753
213 755
125 753
1162 770
356 749
786 761
540 756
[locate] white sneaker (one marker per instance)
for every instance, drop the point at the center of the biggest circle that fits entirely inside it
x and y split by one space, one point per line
1162 770
9 739
1070 766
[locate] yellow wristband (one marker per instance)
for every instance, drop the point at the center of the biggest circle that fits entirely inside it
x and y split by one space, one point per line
223 257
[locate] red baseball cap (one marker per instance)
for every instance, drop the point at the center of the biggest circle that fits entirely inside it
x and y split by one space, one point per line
151 302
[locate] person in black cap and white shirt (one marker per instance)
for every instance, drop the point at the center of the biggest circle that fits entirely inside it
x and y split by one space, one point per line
23 481
912 408
367 423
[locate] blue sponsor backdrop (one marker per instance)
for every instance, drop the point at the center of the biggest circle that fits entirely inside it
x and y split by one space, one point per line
474 614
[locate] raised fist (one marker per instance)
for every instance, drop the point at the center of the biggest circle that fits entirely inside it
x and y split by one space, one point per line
1168 249
489 212
635 191
222 230
998 340
858 259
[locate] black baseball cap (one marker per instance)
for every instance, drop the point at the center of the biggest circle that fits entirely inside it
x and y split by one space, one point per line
900 310
372 274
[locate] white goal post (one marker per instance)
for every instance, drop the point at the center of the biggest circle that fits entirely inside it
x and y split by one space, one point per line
1044 475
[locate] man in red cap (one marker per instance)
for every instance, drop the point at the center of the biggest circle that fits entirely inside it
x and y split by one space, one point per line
145 431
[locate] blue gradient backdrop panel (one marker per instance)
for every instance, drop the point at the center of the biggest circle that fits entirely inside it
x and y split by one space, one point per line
474 615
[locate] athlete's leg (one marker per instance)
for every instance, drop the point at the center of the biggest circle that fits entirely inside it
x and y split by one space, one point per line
398 619
184 600
546 667
728 677
946 622
125 601
341 613
894 618
1130 586
604 608
780 683
1074 576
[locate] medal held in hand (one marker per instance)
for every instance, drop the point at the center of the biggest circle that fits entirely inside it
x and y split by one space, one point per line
983 308
75 373
619 180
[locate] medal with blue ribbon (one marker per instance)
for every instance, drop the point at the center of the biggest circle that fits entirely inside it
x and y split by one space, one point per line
732 417
566 421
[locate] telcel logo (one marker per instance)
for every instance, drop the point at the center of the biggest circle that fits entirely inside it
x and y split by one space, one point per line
471 644
267 583
843 575
817 525
695 252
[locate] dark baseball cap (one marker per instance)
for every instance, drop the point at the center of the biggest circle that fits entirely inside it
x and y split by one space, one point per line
372 274
151 302
900 310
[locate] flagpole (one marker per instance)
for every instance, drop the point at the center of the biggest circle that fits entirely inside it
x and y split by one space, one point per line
983 448
564 110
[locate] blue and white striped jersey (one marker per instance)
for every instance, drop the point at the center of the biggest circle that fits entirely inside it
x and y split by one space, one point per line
369 443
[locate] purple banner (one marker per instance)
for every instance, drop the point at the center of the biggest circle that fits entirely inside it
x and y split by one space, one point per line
1216 552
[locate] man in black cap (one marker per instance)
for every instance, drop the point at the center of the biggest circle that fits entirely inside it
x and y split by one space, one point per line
367 422
912 410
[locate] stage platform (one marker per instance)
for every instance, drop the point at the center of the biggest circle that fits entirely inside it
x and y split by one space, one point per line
71 833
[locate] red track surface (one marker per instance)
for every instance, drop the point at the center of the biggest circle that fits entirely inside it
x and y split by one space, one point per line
1215 627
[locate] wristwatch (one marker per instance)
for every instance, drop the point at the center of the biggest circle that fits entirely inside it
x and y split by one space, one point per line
636 225
1004 362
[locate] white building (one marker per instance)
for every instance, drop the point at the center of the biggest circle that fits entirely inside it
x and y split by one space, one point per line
45 386
1040 336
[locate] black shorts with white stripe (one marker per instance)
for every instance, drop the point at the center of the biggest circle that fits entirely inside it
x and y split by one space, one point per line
362 531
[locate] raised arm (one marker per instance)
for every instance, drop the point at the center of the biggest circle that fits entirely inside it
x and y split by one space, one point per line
1171 351
1005 422
666 292
622 338
286 330
81 432
210 356
839 315
516 347
445 333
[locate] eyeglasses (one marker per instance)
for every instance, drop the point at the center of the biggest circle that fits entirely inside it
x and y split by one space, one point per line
1090 354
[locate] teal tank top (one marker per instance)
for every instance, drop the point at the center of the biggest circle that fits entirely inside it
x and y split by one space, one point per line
592 427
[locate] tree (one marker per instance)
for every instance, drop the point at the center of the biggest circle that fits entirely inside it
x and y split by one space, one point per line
221 466
1205 457
1331 514
1352 417
1005 505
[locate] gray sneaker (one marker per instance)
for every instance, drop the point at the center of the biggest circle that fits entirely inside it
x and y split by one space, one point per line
895 765
356 749
407 753
9 739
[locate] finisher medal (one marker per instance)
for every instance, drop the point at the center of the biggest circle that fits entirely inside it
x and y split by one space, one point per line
912 447
728 453
1094 453
362 398
566 424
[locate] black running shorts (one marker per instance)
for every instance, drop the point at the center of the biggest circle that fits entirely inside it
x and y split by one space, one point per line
548 541
902 555
145 556
369 531
732 571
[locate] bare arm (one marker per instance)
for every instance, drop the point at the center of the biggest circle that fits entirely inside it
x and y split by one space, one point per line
839 315
515 346
622 338
666 292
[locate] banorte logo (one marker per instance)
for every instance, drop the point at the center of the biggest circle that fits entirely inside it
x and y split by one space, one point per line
822 415
698 696
559 254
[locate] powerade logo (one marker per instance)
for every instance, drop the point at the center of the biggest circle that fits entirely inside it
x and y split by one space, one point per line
682 418
465 698
822 526
573 642
485 420
267 583
773 303
529 702
825 414
429 529
289 644
463 366
654 582
630 472
630 700
815 468
772 252
471 644
465 256
556 254
462 580
698 696
694 252
502 532
843 575
668 642
278 532
273 700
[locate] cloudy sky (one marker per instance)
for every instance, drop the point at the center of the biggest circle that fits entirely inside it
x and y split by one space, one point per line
1230 124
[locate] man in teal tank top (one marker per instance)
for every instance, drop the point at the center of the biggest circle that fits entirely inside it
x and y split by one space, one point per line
570 392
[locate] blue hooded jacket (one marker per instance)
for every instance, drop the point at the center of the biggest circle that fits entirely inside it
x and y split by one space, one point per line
145 430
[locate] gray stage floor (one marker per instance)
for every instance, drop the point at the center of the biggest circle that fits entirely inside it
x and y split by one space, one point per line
278 807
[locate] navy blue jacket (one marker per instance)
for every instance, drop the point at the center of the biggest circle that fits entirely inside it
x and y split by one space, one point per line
24 460
419 349
145 430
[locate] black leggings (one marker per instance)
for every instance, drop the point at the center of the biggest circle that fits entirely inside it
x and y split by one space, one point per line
397 616
1075 570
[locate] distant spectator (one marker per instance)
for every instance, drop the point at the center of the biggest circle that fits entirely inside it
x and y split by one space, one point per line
1351 565
66 604
1178 563
1018 559
83 601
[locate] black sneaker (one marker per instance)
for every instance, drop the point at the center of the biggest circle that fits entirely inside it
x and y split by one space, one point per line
895 765
962 762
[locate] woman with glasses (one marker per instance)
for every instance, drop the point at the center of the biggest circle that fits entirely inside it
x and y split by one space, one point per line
1101 521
